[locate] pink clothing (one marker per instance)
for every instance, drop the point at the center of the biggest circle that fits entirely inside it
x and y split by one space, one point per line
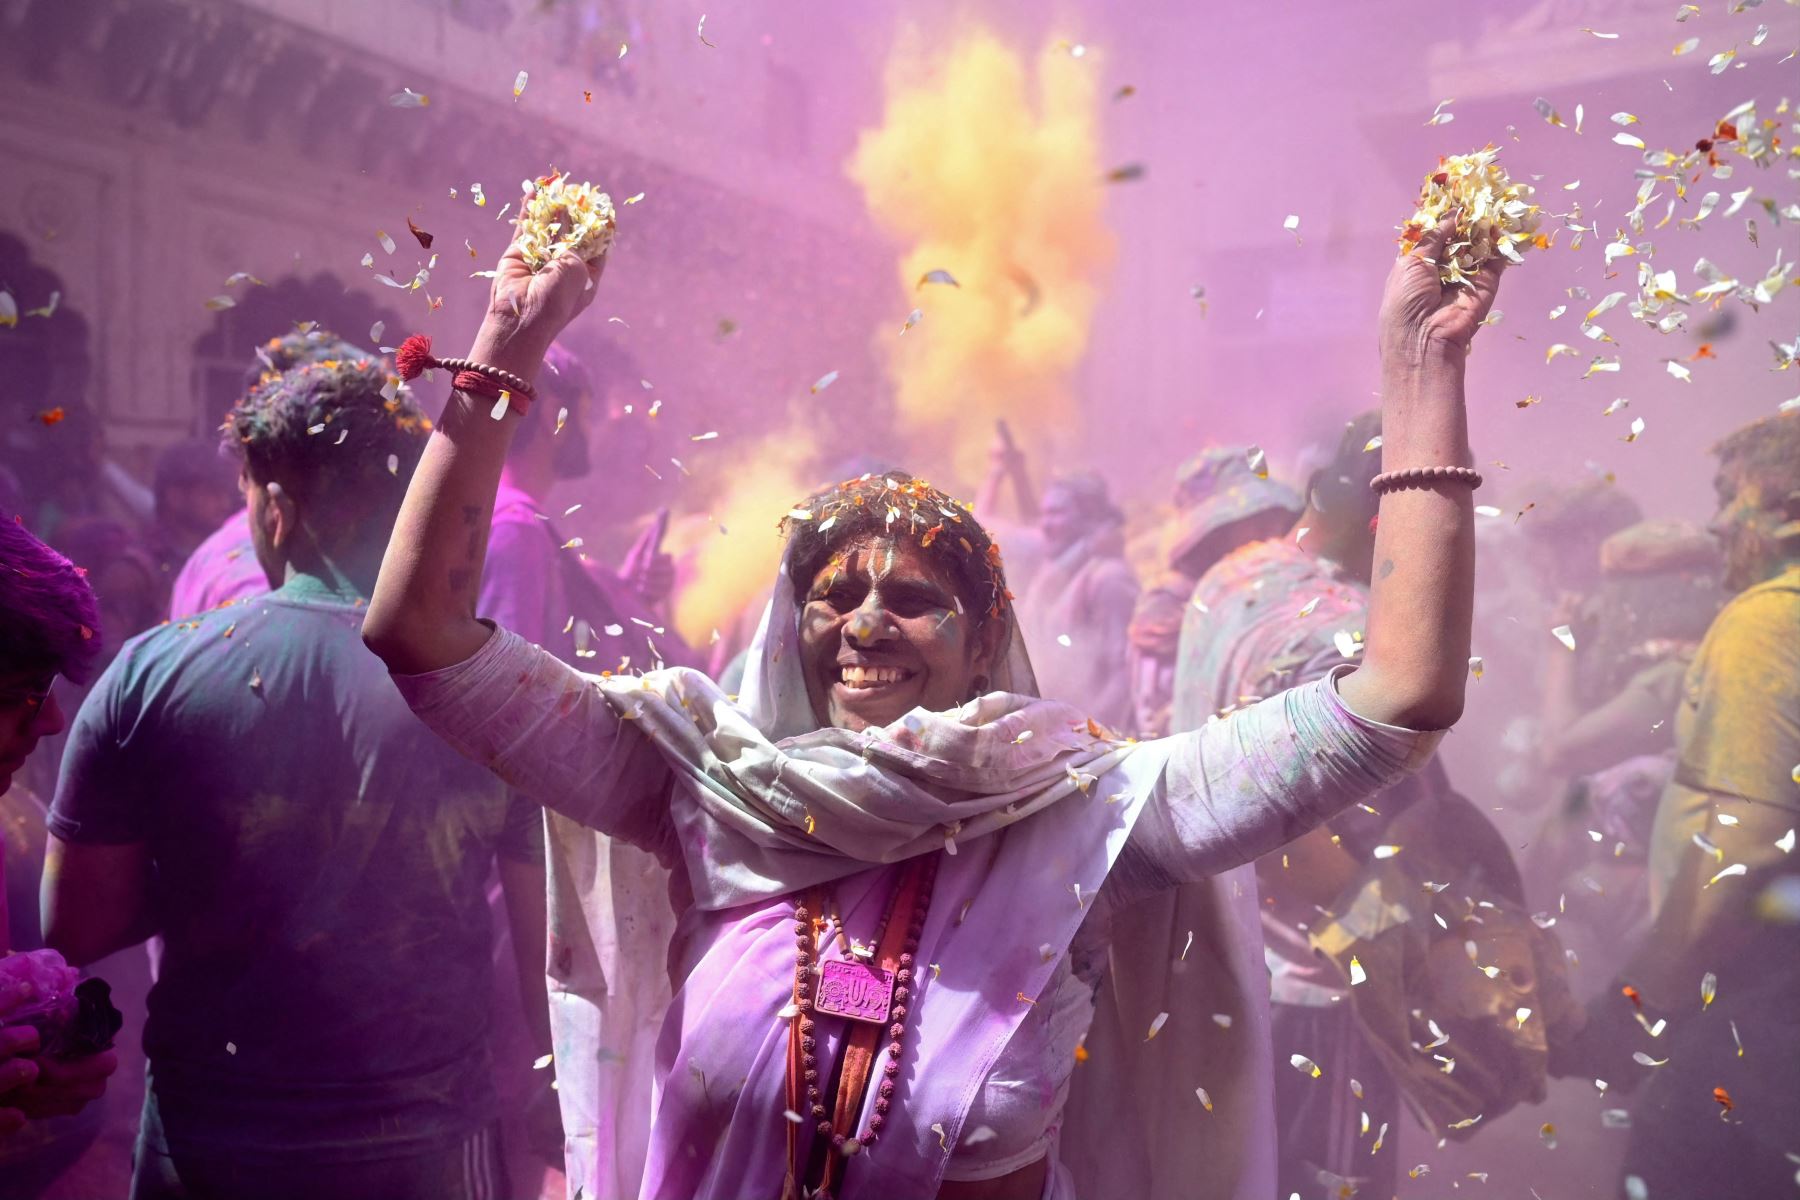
551 597
1075 612
986 1073
221 569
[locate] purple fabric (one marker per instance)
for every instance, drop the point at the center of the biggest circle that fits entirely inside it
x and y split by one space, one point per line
221 569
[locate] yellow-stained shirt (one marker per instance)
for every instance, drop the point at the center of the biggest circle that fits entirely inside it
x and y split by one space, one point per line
1738 734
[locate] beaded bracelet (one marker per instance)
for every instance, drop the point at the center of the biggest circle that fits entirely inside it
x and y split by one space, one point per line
413 357
1420 477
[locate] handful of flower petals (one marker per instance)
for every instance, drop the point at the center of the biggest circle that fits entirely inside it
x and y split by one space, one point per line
559 217
1494 214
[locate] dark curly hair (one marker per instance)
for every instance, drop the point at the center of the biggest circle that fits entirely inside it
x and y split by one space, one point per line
894 504
286 351
341 436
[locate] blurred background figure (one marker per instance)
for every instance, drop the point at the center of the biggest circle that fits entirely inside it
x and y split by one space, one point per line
1607 729
50 630
1289 609
1529 561
1006 503
131 590
1220 504
1077 606
1719 963
196 489
547 588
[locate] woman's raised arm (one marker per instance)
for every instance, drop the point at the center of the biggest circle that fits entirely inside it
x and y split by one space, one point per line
422 615
1422 596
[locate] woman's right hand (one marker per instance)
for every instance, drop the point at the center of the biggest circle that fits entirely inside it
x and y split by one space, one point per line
1423 318
528 310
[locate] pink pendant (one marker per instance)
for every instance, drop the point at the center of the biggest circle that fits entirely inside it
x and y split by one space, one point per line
856 990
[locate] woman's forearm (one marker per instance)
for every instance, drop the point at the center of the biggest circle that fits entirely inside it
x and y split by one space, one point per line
422 616
1422 593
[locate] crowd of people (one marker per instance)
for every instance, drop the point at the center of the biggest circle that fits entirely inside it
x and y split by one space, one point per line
457 868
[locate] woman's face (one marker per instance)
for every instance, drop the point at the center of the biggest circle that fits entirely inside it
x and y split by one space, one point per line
880 635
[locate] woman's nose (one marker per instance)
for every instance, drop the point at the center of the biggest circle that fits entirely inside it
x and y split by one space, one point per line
868 626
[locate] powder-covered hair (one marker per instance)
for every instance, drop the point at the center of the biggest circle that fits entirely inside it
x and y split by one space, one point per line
328 434
286 351
49 620
1767 451
895 505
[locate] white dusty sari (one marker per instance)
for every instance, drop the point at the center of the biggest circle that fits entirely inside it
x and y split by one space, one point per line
679 1090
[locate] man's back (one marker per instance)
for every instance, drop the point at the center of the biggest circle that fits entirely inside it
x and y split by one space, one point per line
319 867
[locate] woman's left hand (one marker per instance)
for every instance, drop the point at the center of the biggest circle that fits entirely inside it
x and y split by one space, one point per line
1421 315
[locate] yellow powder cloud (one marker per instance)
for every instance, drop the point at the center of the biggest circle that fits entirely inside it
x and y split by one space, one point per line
989 169
727 572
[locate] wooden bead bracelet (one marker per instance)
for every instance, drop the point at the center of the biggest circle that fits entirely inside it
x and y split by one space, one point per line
413 357
1420 477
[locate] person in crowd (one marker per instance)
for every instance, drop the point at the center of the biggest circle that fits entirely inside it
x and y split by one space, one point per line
1564 531
195 489
126 578
49 628
223 566
541 585
848 810
1009 474
247 787
1221 503
130 586
1608 727
1720 961
1271 615
1078 605
1614 694
1547 547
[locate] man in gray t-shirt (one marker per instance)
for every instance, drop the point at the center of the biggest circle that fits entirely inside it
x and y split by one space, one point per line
248 786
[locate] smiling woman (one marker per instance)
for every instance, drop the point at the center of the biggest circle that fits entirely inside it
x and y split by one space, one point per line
897 867
898 611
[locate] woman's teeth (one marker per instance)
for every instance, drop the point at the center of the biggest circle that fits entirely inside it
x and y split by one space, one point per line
868 677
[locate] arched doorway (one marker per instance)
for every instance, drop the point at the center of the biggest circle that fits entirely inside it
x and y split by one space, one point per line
225 355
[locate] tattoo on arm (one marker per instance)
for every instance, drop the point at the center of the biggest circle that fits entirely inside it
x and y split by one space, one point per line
1387 568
